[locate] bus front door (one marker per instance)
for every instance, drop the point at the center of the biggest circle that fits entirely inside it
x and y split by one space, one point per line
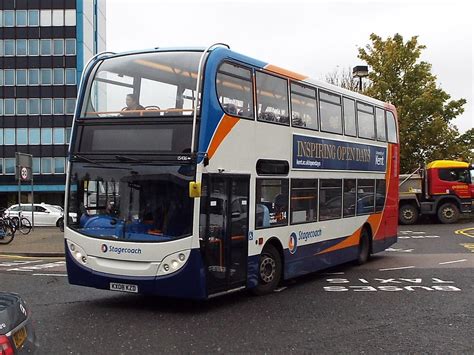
224 229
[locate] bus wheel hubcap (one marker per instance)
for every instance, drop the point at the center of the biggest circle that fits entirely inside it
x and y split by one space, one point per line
267 269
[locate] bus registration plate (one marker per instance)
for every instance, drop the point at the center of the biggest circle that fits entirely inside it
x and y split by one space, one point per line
123 287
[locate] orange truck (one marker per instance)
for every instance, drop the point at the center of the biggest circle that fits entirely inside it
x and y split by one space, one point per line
444 188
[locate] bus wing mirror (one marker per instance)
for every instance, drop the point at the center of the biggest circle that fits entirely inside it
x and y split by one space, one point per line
194 189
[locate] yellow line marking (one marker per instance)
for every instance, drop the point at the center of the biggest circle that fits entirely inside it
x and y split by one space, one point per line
469 246
28 257
468 232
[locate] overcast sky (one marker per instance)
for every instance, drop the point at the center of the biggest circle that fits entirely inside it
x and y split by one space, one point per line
310 37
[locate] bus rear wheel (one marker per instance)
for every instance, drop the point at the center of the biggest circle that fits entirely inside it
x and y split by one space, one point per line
269 271
448 213
364 247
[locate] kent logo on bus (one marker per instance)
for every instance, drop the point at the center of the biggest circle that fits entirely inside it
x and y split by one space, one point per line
320 153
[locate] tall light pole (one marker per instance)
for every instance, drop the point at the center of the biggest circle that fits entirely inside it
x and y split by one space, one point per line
360 71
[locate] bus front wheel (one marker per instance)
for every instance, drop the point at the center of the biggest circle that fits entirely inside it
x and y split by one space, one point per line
269 270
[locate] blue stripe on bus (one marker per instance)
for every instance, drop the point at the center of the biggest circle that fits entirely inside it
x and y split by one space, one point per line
189 282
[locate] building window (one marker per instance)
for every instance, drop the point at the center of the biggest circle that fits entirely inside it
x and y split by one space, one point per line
21 107
349 197
9 77
9 107
1 114
21 18
58 76
70 76
46 136
58 46
330 199
45 18
46 166
58 106
58 17
46 106
366 121
70 18
21 136
46 76
70 46
9 136
58 135
272 99
36 165
304 200
21 77
21 47
34 107
331 112
1 159
45 47
9 47
33 47
33 17
33 77
70 106
365 196
272 203
59 165
380 122
1 134
1 77
234 88
34 136
68 135
8 18
349 117
304 110
9 166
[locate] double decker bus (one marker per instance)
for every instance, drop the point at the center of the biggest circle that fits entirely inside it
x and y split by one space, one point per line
199 172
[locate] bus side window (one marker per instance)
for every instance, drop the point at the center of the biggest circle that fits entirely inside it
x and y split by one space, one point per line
366 121
391 128
272 203
330 110
380 120
330 199
304 111
235 90
272 99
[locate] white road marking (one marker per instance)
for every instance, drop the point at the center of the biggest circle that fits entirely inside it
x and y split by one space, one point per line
333 273
64 275
452 262
397 268
400 250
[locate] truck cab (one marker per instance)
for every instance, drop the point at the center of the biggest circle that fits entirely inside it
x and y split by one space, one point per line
445 188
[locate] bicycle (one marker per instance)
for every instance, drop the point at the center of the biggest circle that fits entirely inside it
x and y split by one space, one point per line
23 224
7 229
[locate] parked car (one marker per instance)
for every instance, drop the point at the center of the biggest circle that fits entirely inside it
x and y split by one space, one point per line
17 335
45 215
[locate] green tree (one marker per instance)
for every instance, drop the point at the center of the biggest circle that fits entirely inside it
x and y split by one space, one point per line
425 110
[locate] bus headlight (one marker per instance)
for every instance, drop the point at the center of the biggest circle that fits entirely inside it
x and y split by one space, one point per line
173 262
77 252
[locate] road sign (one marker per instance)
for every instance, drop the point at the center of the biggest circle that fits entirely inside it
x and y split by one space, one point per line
24 166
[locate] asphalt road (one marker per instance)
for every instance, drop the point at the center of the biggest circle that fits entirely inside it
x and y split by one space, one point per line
416 297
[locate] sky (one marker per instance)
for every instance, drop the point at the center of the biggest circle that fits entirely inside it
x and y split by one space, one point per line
310 37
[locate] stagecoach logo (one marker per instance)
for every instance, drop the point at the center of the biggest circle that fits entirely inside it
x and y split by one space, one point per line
104 248
119 250
293 243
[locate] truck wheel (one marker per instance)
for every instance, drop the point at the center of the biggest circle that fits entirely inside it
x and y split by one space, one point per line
269 271
448 213
408 214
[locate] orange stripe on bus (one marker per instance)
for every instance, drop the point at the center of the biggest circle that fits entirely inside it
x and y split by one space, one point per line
225 126
285 72
347 242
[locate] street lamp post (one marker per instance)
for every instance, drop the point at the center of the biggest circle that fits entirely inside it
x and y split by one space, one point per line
360 71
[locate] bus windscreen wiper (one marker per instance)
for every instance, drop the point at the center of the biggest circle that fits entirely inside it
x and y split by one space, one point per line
87 160
126 158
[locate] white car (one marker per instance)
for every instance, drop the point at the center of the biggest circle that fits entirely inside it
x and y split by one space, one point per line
44 214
